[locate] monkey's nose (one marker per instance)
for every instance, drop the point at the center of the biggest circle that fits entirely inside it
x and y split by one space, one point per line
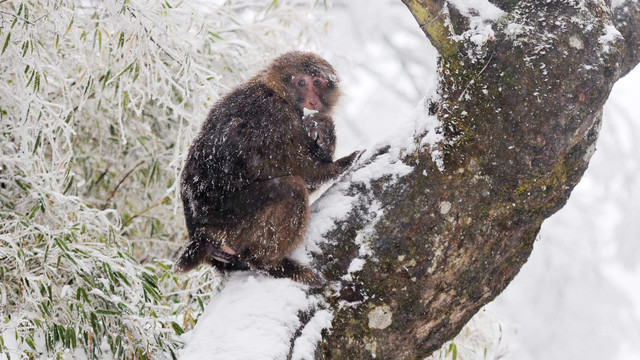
313 105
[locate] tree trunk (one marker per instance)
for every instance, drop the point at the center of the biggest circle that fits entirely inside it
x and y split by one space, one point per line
519 115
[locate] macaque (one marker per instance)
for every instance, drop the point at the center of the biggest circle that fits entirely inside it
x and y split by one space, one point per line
246 180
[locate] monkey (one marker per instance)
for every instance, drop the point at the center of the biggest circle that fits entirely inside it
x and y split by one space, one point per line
247 176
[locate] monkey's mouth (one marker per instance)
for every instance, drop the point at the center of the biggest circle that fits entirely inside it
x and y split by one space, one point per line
310 104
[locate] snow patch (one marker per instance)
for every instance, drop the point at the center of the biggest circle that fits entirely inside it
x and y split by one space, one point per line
480 13
611 35
481 8
305 346
576 42
383 165
428 126
617 3
253 318
356 265
590 151
307 112
333 205
514 30
362 241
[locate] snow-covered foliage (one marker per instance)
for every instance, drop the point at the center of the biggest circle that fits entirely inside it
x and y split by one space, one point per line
98 103
482 338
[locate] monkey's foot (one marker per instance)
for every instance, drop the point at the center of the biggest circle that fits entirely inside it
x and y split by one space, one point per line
309 277
223 253
225 258
296 272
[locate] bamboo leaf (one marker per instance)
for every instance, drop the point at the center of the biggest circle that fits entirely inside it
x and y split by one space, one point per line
66 189
274 4
121 40
30 342
107 312
68 27
215 35
37 144
36 83
177 328
6 43
23 186
123 71
33 73
106 78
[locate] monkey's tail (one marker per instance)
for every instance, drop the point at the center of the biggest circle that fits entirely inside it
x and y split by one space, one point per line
192 256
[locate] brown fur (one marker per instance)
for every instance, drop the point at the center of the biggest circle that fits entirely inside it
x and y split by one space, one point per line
246 180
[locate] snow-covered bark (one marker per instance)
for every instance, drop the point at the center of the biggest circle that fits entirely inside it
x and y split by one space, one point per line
423 233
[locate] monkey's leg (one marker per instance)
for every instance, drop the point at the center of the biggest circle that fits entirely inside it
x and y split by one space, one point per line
274 228
265 222
270 218
213 228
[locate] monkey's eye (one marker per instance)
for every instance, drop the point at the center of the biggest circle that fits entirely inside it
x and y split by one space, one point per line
317 83
302 83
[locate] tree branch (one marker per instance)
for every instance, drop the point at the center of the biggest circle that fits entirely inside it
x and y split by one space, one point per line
626 19
430 15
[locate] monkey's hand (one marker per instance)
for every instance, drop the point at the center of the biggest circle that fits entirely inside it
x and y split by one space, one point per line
320 129
346 162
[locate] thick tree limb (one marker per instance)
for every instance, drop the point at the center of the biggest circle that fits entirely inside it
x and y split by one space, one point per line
520 116
626 19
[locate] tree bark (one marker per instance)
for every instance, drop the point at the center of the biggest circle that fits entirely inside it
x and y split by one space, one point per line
519 115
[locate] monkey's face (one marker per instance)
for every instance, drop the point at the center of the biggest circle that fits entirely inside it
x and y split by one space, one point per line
310 92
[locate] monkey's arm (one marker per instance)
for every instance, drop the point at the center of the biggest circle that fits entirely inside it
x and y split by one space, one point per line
326 171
